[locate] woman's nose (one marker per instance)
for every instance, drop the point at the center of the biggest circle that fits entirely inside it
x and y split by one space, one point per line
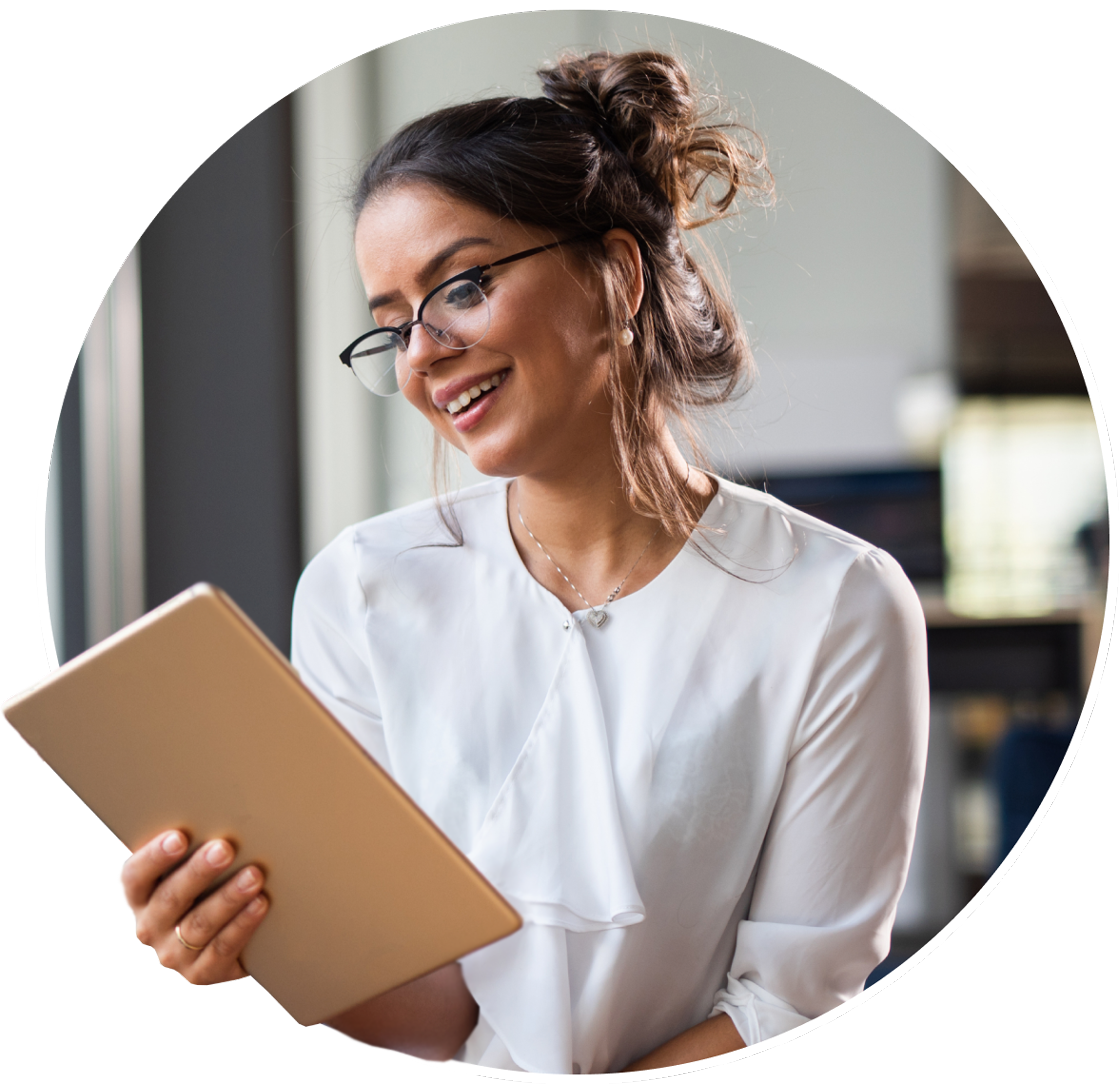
424 350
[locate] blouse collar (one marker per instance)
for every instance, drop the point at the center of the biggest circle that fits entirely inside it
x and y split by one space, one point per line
712 517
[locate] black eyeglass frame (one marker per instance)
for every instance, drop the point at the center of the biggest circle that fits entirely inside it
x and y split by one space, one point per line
472 274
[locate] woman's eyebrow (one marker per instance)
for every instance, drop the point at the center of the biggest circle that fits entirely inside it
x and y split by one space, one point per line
431 267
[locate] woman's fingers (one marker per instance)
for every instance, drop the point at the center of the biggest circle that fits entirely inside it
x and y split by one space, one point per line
218 961
203 941
176 893
201 925
148 864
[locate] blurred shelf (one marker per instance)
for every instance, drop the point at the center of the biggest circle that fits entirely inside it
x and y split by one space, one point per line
938 615
1014 654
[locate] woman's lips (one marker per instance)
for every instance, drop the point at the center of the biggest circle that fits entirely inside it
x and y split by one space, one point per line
474 391
470 416
445 396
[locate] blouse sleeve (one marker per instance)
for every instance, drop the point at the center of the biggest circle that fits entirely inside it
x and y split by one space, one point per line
838 845
329 647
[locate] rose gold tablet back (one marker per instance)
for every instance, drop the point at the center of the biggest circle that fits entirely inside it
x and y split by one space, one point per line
190 719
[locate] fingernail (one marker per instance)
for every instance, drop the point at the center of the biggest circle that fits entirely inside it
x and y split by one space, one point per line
218 854
247 879
256 906
173 843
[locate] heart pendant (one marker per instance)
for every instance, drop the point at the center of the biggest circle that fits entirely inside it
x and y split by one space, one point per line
597 618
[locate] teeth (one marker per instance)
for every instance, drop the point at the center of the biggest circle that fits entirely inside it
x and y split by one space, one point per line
455 405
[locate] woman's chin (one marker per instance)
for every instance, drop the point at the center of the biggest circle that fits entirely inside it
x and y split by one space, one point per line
493 466
495 454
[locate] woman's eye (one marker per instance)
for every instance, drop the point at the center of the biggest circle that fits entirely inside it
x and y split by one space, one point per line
462 295
456 295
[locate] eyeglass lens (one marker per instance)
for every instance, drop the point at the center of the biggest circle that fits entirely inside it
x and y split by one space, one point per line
457 316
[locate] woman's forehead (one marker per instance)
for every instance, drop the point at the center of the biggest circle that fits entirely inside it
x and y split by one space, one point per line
401 234
423 212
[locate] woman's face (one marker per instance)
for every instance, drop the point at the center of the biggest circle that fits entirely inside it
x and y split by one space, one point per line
548 342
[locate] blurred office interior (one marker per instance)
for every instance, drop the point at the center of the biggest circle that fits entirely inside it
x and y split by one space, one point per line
915 386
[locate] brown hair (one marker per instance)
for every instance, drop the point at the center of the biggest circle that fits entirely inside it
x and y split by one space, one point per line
618 140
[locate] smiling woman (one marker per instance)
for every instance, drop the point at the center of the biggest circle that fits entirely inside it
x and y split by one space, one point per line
679 725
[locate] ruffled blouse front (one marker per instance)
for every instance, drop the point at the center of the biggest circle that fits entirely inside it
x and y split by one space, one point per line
705 805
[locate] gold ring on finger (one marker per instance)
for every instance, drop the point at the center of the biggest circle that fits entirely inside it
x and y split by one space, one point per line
185 943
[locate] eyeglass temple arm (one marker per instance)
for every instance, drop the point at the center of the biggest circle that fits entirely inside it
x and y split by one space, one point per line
539 248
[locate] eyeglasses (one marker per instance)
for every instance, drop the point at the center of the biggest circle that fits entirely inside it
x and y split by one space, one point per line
455 314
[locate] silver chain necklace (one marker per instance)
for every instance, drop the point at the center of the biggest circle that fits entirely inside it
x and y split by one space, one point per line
597 615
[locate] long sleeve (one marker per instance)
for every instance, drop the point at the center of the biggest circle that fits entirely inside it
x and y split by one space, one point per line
327 644
837 849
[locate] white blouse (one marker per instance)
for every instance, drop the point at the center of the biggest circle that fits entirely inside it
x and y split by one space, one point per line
706 805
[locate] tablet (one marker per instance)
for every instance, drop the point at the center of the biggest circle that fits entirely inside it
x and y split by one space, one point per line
189 718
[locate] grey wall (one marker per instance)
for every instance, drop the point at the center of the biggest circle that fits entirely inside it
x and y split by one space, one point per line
220 447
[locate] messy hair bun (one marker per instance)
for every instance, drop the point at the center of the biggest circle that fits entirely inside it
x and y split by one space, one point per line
646 110
619 140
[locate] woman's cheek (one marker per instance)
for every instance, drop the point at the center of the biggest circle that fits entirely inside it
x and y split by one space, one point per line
415 391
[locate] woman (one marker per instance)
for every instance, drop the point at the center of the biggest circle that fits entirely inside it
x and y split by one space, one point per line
680 726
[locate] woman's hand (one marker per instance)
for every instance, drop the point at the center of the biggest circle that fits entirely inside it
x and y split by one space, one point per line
716 1035
211 935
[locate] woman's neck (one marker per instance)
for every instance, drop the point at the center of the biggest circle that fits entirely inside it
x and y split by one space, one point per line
580 520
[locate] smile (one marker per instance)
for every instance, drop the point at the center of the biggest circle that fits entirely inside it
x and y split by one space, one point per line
472 393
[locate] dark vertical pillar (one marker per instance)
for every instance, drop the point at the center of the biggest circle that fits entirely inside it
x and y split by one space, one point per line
220 454
68 449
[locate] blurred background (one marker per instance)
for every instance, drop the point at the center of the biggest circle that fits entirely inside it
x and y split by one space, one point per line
915 386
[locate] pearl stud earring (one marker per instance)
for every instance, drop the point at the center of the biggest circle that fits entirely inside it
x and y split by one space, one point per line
625 336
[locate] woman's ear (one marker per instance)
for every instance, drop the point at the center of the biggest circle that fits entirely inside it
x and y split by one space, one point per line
622 248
